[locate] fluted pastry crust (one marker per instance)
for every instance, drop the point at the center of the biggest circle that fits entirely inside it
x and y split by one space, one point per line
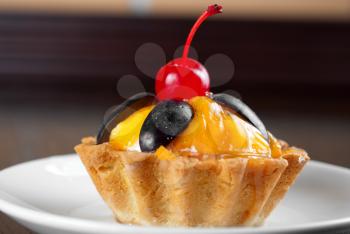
189 191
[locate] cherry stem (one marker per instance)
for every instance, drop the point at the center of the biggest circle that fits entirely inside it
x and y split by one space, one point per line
212 10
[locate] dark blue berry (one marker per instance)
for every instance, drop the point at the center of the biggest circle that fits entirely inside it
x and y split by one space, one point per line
164 123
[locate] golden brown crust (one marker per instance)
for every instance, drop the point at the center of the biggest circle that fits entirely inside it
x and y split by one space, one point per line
297 158
210 191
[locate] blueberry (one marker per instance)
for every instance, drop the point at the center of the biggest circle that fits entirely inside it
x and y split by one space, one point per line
243 110
121 112
164 123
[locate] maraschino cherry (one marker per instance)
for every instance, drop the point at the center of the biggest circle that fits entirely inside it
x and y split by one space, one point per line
184 78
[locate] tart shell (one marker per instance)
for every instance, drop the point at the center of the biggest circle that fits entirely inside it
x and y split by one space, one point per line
190 191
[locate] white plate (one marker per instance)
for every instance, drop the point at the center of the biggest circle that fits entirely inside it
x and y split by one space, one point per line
55 195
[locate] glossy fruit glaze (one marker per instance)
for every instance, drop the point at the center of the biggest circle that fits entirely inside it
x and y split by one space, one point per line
214 129
125 136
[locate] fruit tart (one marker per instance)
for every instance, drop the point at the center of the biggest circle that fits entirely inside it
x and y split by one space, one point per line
187 157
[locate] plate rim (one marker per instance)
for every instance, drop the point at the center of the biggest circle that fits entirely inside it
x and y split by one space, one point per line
46 219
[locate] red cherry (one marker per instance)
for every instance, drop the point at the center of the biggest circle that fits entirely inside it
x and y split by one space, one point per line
184 78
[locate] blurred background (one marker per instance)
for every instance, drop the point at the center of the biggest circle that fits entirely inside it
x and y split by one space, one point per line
60 62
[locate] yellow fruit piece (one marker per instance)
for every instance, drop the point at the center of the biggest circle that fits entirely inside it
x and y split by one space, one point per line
216 130
163 154
276 148
125 136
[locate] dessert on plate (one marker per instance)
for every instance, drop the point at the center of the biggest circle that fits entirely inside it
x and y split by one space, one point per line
187 157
